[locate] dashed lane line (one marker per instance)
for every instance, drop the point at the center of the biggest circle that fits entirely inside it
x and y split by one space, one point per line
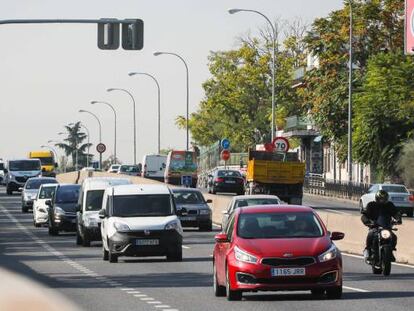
85 271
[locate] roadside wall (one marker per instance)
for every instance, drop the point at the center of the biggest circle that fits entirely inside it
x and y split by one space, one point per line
351 225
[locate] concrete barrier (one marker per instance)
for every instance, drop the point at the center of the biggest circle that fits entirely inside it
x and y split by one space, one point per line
351 225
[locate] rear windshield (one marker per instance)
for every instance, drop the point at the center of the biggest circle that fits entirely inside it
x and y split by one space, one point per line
142 205
94 200
47 192
250 202
36 183
228 174
188 197
395 189
277 225
68 194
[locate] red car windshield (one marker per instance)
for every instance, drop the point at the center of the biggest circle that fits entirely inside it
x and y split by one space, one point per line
277 225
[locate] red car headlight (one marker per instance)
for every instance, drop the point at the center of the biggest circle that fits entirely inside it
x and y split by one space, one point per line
330 254
244 256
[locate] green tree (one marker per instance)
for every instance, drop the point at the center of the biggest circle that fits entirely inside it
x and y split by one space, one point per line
384 109
378 26
74 142
405 163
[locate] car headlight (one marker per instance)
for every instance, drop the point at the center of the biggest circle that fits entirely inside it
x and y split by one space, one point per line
244 256
173 225
92 222
330 254
59 211
385 234
121 227
204 212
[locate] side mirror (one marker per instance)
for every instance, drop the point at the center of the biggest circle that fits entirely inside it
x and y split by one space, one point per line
221 238
102 213
20 189
336 236
209 201
49 203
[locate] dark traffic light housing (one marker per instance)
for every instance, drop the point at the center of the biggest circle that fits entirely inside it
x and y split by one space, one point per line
132 34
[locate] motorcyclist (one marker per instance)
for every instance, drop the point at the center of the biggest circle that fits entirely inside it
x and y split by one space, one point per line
379 213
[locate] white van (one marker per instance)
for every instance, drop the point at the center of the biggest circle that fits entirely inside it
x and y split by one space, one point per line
153 166
89 205
140 220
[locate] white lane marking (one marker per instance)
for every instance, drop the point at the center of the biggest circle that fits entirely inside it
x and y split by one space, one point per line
162 306
185 247
394 263
80 267
356 289
217 226
134 292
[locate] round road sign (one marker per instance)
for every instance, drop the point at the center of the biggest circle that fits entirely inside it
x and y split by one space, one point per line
225 143
269 147
225 155
101 148
281 144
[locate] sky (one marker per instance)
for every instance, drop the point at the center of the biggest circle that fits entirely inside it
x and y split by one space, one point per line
49 72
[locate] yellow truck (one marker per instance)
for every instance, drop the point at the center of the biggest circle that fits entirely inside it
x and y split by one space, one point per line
277 174
47 160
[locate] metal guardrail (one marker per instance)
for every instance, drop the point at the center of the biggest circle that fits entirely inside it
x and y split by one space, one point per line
334 188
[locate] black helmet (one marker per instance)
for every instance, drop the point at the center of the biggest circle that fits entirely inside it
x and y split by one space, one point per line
381 196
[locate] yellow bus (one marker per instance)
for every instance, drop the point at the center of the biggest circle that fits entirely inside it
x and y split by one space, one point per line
47 160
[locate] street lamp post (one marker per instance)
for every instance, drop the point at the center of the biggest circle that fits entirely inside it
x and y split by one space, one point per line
134 118
188 89
100 132
350 92
114 111
159 103
233 11
56 142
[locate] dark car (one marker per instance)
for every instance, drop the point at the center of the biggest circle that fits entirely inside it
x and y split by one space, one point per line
195 211
62 209
229 181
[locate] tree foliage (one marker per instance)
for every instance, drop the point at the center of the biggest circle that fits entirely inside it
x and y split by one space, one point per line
74 142
405 163
384 110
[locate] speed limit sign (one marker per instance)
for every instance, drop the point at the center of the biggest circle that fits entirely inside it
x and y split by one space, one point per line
281 144
101 148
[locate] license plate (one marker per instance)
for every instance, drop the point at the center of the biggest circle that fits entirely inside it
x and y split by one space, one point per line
288 271
230 182
187 218
145 242
397 199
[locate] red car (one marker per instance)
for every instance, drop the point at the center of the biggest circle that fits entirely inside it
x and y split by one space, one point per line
276 248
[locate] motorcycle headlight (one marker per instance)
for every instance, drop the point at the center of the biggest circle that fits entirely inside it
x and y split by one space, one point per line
121 227
385 234
59 211
330 254
205 212
244 256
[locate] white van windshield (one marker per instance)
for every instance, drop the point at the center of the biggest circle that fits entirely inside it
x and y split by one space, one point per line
142 205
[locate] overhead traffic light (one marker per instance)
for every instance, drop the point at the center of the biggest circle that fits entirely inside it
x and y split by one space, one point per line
132 34
108 34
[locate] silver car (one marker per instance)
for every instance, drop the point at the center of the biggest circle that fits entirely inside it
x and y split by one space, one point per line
248 200
30 190
399 195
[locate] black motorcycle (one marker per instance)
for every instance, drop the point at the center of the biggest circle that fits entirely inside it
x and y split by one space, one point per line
382 250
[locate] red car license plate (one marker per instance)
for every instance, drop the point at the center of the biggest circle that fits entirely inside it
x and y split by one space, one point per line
288 272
